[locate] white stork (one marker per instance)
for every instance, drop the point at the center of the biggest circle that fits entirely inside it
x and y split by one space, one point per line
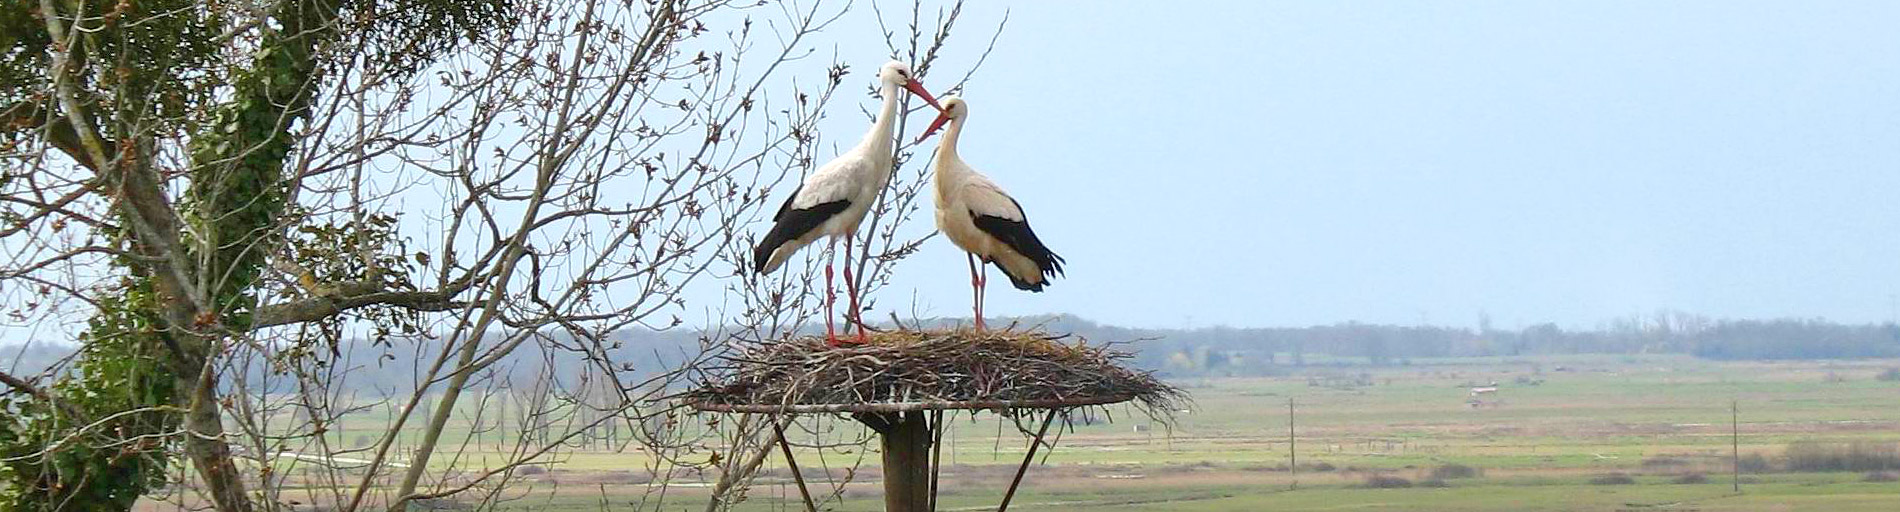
832 201
982 219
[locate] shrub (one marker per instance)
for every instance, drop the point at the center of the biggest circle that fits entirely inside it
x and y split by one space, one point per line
1435 483
1880 476
1663 462
1889 375
1691 478
1322 466
1855 456
438 504
1754 463
1386 482
1612 479
1453 471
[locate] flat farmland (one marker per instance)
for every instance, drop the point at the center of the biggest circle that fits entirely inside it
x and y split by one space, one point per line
1559 433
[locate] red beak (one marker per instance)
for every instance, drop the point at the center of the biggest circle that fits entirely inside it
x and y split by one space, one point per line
942 118
918 89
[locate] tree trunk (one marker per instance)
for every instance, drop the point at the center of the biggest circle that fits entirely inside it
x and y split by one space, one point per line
205 444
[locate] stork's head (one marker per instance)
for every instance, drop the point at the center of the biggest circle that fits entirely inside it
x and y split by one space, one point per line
953 108
898 74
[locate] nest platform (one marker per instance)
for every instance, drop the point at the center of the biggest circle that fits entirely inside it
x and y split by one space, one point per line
905 370
900 384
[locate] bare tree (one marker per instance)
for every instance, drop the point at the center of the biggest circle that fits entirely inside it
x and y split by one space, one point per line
148 162
771 309
568 181
489 193
543 175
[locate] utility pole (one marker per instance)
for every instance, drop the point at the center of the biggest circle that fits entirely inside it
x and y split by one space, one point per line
1292 449
1735 443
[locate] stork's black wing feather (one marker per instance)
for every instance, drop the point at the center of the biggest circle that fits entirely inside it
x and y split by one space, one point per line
790 223
783 208
1017 235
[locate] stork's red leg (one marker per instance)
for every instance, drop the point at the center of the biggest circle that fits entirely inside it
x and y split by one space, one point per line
831 292
851 289
982 292
976 291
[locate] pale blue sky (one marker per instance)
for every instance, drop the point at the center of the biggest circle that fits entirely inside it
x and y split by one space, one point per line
1294 163
1299 163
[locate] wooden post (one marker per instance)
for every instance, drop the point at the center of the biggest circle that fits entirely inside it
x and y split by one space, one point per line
1735 443
792 463
1292 447
936 454
906 442
1027 458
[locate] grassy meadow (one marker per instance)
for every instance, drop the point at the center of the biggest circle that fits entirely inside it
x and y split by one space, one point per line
1561 433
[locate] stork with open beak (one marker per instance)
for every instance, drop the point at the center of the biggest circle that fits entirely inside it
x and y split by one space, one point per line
982 219
832 201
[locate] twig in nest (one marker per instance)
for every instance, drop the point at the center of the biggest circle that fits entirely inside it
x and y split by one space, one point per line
949 366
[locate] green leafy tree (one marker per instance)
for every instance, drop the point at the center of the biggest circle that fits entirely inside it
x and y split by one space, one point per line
93 441
149 141
233 192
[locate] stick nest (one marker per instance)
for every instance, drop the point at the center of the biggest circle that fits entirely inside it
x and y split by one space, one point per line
920 366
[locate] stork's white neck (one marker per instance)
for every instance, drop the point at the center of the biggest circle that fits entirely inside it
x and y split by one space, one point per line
947 149
878 141
950 170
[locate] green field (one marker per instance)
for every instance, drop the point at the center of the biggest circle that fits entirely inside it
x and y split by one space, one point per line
1555 424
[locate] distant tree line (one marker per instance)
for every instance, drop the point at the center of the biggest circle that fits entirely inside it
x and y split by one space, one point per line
1227 350
1239 351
